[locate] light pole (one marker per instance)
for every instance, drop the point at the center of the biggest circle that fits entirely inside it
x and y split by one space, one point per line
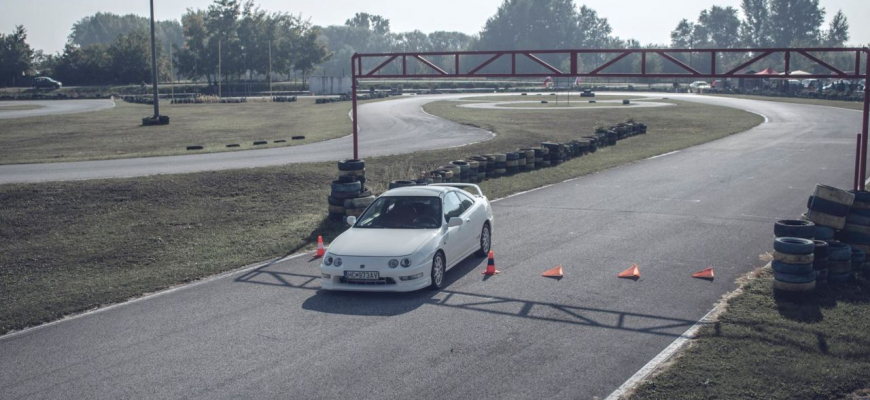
156 119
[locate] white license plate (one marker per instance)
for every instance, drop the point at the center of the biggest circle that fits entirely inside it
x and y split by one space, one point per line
361 274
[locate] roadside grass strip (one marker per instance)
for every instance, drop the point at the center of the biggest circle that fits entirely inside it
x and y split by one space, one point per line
775 347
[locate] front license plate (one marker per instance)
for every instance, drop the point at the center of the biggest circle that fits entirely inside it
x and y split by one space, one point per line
361 275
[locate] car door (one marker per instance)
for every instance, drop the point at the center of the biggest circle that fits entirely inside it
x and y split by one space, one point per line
454 245
472 221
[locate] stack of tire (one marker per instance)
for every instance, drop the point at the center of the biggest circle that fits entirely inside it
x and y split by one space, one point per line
463 171
500 168
349 196
539 157
473 166
398 184
856 231
511 163
529 155
793 261
557 152
481 167
829 206
839 262
454 172
820 261
545 159
490 165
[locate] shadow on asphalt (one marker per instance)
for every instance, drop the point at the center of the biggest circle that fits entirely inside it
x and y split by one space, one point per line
392 304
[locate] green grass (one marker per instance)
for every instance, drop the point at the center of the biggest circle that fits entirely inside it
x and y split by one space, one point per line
562 104
72 246
772 347
118 132
546 96
851 105
19 107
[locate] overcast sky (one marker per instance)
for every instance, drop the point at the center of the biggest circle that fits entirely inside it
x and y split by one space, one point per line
48 21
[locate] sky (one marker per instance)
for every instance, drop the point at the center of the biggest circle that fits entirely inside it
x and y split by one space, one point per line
48 22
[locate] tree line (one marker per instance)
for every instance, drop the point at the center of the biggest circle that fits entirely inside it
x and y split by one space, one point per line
107 48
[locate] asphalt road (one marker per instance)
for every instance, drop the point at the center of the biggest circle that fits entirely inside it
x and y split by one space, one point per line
386 127
268 332
54 107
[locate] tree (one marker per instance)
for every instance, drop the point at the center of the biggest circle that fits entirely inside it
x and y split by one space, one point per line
795 21
16 56
131 58
311 51
104 28
721 25
754 30
838 32
375 23
681 36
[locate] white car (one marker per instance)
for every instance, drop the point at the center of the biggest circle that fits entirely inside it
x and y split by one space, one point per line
699 85
408 238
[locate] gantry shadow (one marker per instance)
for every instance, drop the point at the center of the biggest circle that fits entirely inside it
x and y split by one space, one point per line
392 304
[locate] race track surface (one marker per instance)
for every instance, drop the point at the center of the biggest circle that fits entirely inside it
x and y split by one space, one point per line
54 107
268 332
386 127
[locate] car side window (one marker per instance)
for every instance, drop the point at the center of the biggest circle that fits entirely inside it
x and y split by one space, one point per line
466 200
452 206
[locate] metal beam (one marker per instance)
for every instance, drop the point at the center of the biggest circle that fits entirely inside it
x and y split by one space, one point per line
678 62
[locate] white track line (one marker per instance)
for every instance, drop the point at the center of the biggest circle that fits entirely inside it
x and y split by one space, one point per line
658 360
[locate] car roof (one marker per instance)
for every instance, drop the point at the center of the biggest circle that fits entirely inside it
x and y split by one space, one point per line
421 191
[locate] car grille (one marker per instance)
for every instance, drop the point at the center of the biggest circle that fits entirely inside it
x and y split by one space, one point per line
371 282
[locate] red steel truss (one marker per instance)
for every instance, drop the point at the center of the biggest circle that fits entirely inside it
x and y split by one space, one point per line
433 71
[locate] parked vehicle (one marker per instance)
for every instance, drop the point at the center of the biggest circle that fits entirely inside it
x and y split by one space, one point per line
408 238
46 82
698 86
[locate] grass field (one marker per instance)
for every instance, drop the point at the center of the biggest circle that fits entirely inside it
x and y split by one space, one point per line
815 102
774 347
545 96
118 132
19 107
72 246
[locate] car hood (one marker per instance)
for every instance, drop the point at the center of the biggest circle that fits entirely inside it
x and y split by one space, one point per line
369 242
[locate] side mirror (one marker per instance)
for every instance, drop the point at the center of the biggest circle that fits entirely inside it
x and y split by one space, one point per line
455 221
351 220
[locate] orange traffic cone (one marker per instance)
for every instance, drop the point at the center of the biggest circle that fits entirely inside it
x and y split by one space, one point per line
490 265
705 274
553 273
320 250
633 273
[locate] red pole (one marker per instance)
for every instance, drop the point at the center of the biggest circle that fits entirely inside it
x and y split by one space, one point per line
864 133
857 162
353 72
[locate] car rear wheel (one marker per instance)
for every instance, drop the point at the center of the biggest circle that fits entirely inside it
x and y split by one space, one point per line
485 241
438 268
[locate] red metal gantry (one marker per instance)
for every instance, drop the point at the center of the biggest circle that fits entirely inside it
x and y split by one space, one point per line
433 71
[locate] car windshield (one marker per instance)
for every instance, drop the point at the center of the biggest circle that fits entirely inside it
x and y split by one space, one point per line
401 212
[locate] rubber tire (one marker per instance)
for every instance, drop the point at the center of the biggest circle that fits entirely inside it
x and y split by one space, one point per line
856 219
794 287
483 251
334 201
438 285
863 213
345 195
795 278
794 228
824 232
821 250
346 187
860 195
398 184
351 165
855 237
793 258
359 202
791 245
794 269
827 207
839 251
840 267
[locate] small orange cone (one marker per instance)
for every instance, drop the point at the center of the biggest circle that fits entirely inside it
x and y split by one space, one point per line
320 250
705 274
490 265
553 273
633 272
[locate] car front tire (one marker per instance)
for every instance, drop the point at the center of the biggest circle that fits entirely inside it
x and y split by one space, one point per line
485 240
439 267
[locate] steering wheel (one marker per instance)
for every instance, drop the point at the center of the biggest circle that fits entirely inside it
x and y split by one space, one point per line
425 218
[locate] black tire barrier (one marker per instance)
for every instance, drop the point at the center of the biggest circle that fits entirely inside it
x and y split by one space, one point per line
794 228
351 165
793 269
359 202
336 209
795 278
626 102
863 213
828 207
260 143
821 249
839 251
345 195
233 145
794 258
336 216
334 201
858 259
824 232
299 137
793 287
279 141
194 147
791 245
346 187
852 237
861 196
839 267
856 219
398 184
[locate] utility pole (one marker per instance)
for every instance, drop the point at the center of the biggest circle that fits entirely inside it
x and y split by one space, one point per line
171 77
154 65
219 70
270 67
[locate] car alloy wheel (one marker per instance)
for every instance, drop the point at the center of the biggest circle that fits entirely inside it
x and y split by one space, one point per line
485 241
437 271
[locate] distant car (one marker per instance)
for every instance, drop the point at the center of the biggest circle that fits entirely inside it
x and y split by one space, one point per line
46 82
698 86
408 238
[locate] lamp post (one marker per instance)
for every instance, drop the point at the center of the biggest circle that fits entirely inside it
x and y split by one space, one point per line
156 119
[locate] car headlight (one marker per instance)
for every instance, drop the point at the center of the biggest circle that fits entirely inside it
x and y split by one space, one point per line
394 263
337 261
327 261
406 262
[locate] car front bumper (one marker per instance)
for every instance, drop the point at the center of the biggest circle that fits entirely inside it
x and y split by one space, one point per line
390 279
